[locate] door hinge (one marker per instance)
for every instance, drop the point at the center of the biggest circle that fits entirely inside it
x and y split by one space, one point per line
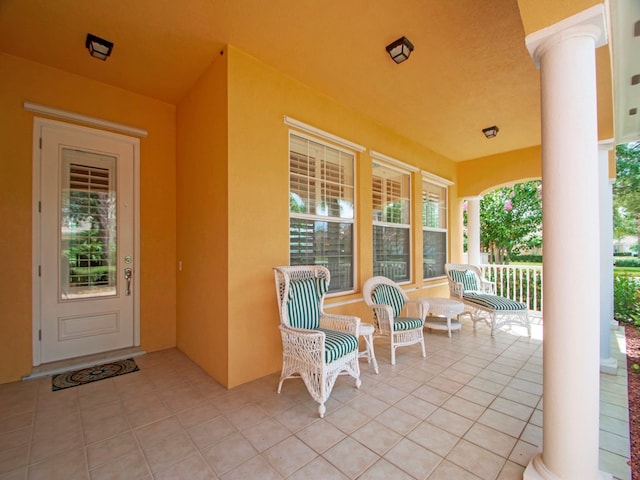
40 143
39 270
40 335
39 207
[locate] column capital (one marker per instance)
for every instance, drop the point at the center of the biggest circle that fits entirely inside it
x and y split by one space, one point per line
606 145
473 197
590 22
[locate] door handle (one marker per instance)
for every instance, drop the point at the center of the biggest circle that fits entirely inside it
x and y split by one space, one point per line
128 273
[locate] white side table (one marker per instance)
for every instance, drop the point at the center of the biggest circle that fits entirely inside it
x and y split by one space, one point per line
444 307
366 331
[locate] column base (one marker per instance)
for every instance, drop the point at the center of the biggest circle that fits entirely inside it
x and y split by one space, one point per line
609 366
536 470
615 325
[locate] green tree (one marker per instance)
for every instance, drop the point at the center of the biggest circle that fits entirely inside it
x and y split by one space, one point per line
511 220
623 223
626 189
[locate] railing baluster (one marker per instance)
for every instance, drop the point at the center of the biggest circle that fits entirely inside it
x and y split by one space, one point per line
521 283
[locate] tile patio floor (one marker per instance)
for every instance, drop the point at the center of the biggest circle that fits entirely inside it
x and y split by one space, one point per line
470 410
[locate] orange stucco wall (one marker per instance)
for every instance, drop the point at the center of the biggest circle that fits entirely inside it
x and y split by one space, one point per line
214 199
481 175
22 80
259 99
536 14
203 222
233 219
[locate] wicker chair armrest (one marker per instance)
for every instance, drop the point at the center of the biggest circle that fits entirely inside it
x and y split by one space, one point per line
456 289
340 323
419 306
383 315
487 286
305 344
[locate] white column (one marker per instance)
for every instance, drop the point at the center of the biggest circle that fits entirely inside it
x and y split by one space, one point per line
473 230
608 364
566 54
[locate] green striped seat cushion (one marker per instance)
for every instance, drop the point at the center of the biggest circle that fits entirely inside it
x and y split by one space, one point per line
466 277
303 305
493 301
338 344
404 323
385 294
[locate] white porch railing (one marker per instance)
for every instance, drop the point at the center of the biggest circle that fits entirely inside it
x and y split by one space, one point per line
522 283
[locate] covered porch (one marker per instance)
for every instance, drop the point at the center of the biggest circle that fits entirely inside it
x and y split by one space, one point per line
211 83
472 409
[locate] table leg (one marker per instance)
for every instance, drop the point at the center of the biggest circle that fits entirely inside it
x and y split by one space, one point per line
368 340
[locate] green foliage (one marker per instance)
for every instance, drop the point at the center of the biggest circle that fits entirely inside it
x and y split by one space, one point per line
511 220
530 258
626 190
627 185
91 275
296 204
627 262
623 223
626 295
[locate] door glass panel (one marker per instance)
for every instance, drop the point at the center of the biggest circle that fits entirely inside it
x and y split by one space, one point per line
88 240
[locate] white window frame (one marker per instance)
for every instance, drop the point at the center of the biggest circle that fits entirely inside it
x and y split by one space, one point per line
441 183
403 169
347 147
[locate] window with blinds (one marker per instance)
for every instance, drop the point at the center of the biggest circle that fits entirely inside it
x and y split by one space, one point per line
321 208
434 229
88 225
391 222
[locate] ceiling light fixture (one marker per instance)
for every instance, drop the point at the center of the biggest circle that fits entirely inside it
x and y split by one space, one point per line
400 50
98 47
490 132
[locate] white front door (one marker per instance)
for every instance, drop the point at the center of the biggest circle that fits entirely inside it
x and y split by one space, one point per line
84 236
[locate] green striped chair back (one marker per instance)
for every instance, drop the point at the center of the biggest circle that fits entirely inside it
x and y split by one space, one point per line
303 303
385 294
466 277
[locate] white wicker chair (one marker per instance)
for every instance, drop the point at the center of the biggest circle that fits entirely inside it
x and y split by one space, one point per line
316 346
388 300
468 284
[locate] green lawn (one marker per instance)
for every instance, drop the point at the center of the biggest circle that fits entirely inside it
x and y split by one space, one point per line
633 271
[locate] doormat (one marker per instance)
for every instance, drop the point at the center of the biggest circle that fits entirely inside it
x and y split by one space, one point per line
82 376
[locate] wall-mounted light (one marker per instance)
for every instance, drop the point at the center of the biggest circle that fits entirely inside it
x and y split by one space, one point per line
400 50
490 132
98 47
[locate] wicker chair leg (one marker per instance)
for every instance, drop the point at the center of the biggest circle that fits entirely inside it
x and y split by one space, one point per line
321 410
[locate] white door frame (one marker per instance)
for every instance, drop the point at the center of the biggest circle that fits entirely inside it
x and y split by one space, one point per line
38 123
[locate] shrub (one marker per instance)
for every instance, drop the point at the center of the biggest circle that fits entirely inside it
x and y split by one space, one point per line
527 258
626 299
631 262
